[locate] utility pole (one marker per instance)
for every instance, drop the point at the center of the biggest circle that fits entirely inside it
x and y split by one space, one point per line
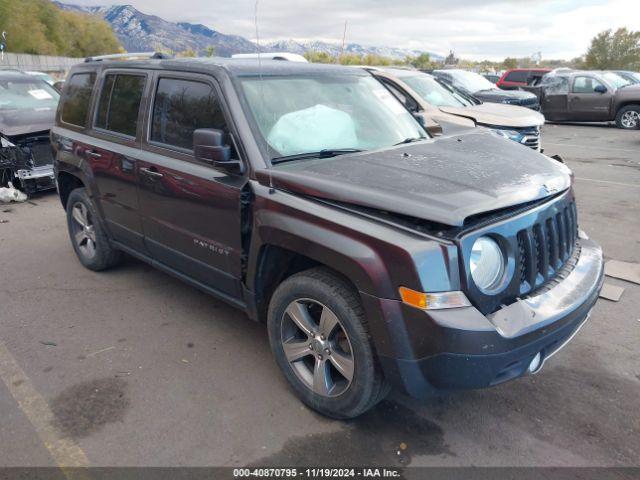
344 36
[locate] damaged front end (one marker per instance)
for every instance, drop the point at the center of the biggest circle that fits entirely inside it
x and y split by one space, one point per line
27 162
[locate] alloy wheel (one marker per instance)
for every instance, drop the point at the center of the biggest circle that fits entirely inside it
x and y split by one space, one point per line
317 347
84 233
630 119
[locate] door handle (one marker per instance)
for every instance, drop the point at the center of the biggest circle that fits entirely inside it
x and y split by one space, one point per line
93 154
151 171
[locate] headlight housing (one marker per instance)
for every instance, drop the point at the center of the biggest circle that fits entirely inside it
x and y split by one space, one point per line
486 263
510 134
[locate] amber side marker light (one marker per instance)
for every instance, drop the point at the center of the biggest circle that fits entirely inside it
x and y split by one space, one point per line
433 301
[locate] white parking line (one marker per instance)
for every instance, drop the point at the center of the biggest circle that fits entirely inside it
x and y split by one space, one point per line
66 453
609 182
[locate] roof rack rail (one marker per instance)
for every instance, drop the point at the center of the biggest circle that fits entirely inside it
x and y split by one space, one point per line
124 56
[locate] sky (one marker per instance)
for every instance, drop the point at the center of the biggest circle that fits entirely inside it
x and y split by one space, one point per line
475 30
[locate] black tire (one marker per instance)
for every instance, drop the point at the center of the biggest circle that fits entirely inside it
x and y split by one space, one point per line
319 288
625 117
103 255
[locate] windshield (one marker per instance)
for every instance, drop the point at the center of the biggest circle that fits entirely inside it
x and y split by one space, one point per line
26 94
471 81
434 92
616 80
307 114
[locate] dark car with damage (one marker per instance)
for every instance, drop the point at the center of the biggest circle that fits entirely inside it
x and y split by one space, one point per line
589 96
475 85
27 111
310 198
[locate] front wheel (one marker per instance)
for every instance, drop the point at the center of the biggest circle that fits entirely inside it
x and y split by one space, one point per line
628 117
319 337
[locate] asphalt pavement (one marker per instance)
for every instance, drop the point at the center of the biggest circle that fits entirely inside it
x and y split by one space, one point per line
131 367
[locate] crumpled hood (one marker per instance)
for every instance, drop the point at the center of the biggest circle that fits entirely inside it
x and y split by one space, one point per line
498 115
443 180
21 122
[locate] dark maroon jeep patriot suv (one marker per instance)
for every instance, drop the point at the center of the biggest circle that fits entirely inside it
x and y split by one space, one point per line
309 197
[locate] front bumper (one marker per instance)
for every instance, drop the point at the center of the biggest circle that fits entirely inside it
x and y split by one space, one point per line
432 351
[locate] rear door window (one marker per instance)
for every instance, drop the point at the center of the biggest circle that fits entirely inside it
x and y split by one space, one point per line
554 85
181 107
119 103
517 76
77 98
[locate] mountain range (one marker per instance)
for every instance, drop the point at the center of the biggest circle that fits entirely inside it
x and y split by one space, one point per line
140 32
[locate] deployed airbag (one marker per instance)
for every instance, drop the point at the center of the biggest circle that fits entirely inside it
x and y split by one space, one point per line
313 129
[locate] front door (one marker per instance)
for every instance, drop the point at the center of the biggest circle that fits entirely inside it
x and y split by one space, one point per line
586 103
114 150
190 210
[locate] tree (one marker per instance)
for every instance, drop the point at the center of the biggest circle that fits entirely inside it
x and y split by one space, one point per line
40 27
421 62
451 59
188 53
210 51
614 50
510 62
319 57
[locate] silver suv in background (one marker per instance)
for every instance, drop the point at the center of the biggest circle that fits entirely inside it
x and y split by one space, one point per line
453 110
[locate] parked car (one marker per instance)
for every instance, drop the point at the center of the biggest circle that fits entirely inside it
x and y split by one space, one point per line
521 77
309 197
42 76
590 96
479 87
633 77
493 78
422 93
27 111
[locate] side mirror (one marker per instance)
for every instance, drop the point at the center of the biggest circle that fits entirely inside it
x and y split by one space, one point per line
209 147
600 89
431 126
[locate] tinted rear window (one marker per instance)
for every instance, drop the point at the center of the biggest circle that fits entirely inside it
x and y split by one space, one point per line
518 76
77 97
119 103
182 106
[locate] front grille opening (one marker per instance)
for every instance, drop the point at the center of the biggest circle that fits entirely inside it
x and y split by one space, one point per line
544 248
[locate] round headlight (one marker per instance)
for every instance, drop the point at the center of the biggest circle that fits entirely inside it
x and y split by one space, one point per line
486 263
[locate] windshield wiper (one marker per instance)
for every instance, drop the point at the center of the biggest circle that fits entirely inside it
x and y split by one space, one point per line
326 153
409 140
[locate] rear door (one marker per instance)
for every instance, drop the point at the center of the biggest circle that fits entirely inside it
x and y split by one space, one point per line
190 210
114 150
585 104
554 98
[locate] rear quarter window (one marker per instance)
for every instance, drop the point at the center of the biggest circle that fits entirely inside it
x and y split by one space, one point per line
77 98
119 103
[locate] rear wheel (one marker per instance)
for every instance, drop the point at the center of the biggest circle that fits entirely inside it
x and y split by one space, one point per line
628 117
88 238
319 338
